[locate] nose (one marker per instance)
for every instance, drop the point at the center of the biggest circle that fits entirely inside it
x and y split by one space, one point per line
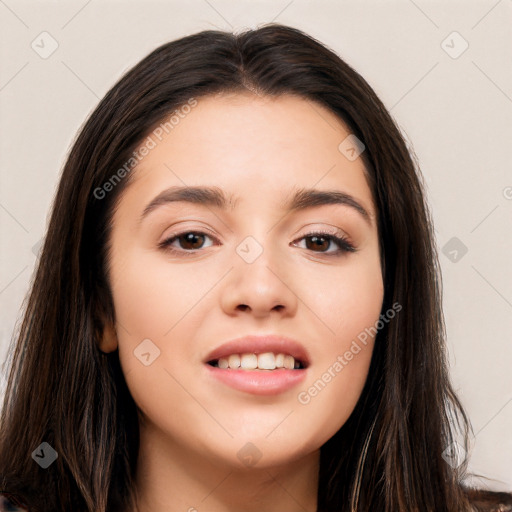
260 288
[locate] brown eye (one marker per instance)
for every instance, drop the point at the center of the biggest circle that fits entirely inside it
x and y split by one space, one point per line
186 242
191 240
317 242
321 242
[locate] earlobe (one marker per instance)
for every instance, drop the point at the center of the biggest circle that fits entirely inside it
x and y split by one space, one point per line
108 340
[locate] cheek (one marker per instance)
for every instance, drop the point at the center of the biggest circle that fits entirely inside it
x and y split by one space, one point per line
151 295
154 304
335 384
343 301
331 394
158 306
349 309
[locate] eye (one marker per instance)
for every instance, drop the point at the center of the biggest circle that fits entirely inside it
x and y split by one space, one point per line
188 240
322 240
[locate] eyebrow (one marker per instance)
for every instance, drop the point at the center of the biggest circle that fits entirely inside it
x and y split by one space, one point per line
300 199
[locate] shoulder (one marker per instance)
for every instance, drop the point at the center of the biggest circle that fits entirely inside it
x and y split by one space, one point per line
489 501
10 503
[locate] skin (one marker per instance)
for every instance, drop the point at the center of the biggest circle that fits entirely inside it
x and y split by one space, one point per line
192 427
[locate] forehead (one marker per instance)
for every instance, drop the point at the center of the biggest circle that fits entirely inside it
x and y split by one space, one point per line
256 148
235 123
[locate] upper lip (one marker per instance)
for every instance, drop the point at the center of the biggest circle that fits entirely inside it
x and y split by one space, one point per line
258 344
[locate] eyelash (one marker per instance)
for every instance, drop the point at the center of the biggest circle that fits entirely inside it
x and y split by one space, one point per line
343 243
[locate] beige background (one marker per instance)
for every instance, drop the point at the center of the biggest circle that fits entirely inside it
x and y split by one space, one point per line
454 108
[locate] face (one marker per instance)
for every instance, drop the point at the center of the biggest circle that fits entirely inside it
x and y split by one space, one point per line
186 277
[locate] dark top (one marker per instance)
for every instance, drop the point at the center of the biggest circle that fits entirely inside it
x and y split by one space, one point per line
10 505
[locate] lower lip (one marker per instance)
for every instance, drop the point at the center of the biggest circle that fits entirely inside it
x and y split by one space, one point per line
258 382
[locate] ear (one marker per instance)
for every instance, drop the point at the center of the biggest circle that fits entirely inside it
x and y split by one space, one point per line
108 339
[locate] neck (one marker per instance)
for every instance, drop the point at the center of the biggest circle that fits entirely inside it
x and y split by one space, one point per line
175 478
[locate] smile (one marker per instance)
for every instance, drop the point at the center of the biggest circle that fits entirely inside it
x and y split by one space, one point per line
264 361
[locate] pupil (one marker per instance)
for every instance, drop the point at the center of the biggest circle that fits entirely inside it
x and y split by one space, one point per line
315 240
189 239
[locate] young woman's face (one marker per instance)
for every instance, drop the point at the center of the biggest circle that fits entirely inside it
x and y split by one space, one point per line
247 268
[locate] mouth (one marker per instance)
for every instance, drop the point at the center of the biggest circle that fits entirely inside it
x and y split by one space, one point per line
258 365
266 361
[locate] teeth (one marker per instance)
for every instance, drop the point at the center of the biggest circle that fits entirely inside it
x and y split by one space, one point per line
249 361
289 362
265 361
234 361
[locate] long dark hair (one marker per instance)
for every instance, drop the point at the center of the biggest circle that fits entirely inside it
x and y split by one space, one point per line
390 455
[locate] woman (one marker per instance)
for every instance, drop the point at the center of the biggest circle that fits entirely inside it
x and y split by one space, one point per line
292 356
